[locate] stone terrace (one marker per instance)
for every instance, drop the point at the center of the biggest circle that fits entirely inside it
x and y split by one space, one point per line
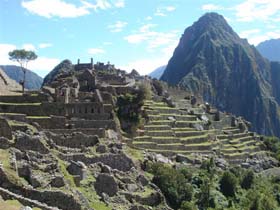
180 130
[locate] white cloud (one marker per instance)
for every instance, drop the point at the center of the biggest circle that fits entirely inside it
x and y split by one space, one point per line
102 4
145 66
170 8
247 33
255 36
95 51
211 7
4 50
148 18
45 45
163 10
41 66
251 10
152 38
117 27
119 3
56 8
29 47
63 9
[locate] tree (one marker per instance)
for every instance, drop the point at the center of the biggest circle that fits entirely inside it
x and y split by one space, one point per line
22 57
228 184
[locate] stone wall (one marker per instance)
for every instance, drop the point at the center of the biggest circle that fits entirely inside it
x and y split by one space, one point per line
5 129
52 122
24 98
14 116
75 140
100 132
106 124
60 109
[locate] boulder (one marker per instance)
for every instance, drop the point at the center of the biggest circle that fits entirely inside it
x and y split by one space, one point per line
27 142
131 187
106 184
57 181
25 208
142 180
4 142
101 149
182 158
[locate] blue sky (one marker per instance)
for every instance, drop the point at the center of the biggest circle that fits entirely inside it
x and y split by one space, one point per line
140 34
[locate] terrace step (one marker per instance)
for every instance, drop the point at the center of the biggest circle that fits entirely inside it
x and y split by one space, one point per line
164 133
189 133
156 127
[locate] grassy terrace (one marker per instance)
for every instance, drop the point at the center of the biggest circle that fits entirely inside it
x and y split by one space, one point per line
193 137
38 117
20 104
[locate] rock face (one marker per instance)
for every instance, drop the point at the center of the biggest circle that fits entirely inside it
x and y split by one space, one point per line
211 60
106 184
62 68
270 49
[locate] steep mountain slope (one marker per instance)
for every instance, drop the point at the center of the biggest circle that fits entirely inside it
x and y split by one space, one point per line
33 81
270 49
157 72
63 67
211 60
7 85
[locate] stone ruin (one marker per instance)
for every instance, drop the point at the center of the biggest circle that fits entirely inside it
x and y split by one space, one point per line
57 140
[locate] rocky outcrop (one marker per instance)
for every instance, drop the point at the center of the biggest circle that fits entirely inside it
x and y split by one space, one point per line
105 183
64 67
27 142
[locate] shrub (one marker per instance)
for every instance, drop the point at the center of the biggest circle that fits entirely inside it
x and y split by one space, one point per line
248 180
172 183
186 205
228 184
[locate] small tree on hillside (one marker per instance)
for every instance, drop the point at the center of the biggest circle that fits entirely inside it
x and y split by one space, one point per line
22 57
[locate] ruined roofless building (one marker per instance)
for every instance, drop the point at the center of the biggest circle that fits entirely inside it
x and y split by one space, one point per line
82 66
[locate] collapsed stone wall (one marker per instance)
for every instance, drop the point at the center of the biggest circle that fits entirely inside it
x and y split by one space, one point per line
75 140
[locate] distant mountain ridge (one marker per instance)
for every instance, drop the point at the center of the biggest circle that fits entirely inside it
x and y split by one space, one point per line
157 72
270 49
33 81
211 60
7 85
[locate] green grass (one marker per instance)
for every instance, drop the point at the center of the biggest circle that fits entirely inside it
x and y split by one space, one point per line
2 113
20 104
16 123
87 189
12 205
62 166
38 117
134 153
194 137
11 174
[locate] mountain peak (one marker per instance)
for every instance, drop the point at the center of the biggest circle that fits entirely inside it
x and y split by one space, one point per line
213 61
